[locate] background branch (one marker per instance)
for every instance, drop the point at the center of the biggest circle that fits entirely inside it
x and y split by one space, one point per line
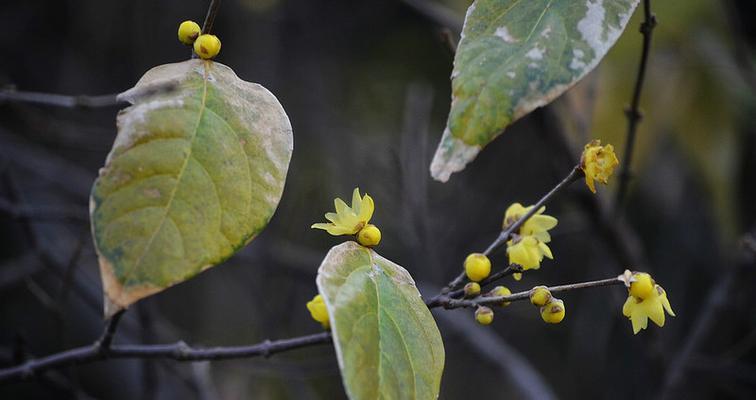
11 95
633 112
179 351
212 12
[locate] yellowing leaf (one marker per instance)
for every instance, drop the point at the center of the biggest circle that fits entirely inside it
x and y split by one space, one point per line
387 342
515 56
194 174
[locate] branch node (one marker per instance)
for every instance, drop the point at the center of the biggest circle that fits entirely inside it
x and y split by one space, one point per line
634 114
266 348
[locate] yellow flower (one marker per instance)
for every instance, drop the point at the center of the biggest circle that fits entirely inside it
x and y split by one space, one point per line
528 252
348 220
537 225
319 311
641 285
652 306
598 163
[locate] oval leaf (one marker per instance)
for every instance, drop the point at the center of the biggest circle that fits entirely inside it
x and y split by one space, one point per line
196 171
515 56
387 342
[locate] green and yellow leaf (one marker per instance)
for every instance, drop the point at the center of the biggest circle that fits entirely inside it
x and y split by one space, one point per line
515 56
386 340
195 173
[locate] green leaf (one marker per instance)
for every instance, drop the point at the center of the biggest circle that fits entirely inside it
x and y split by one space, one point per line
515 56
387 342
195 173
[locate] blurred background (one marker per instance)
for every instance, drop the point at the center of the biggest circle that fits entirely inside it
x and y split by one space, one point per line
366 86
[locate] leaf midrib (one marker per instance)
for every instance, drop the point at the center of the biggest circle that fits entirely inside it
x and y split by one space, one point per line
401 335
172 196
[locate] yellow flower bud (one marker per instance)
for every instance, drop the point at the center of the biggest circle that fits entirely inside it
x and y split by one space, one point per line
472 289
369 235
553 311
318 311
517 276
207 46
484 315
188 32
477 267
540 296
641 285
499 291
598 163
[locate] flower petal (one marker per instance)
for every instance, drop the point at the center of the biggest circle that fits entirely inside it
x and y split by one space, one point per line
665 302
639 319
653 308
366 212
545 250
356 201
627 308
333 217
321 225
340 206
591 186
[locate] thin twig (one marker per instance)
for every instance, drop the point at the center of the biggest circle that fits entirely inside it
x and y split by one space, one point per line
11 95
449 303
59 100
212 12
633 112
107 336
179 351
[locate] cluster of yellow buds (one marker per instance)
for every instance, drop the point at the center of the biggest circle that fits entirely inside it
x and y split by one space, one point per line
205 46
484 315
552 309
353 220
528 245
646 300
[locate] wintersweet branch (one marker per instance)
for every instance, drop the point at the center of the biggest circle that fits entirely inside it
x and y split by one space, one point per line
11 95
633 112
58 100
505 234
449 303
179 351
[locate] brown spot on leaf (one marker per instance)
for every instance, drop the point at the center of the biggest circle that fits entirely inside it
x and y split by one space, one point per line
152 193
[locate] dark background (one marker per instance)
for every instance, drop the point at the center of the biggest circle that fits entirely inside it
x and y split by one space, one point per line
365 84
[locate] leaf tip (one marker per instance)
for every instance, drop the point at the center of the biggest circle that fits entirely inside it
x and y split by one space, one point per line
452 155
